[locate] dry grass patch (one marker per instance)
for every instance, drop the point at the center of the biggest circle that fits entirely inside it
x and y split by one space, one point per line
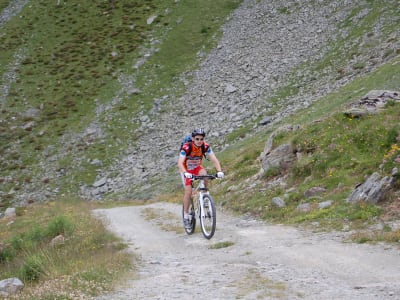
256 286
86 261
167 221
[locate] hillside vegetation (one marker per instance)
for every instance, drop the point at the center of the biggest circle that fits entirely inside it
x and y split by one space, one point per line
84 85
65 67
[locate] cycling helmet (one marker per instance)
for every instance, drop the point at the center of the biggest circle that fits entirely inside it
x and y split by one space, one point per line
198 131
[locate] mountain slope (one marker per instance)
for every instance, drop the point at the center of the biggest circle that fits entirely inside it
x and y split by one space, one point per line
120 138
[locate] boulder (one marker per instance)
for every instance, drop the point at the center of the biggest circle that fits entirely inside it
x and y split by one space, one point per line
280 157
10 286
279 202
373 190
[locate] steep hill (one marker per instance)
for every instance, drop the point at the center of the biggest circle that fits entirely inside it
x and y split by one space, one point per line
105 119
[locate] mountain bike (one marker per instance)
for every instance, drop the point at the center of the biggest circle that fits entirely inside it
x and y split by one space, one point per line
202 205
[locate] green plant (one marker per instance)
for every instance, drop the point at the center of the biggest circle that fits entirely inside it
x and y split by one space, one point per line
26 251
6 253
221 245
284 10
32 268
59 225
35 234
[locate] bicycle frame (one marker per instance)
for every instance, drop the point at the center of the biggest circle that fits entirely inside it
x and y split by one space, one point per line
198 194
205 207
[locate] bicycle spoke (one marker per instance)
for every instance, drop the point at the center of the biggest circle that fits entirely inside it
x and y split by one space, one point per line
208 217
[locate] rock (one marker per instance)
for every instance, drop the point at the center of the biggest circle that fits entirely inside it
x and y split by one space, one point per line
373 190
325 204
96 162
31 113
304 207
279 202
280 157
57 241
382 94
314 191
151 19
270 141
356 112
266 120
229 89
10 286
10 212
100 182
28 126
371 103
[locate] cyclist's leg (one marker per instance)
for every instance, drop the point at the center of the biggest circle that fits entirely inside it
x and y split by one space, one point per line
203 171
188 188
187 184
186 200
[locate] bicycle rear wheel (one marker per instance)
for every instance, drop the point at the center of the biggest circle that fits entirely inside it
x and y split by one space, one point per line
192 218
208 217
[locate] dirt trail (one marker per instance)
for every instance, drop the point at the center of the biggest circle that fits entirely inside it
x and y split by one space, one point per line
264 262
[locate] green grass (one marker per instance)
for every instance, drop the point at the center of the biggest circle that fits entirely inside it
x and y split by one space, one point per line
4 4
66 61
71 59
338 153
221 245
86 262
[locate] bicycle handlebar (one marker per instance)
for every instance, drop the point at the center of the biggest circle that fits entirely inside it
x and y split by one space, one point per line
200 177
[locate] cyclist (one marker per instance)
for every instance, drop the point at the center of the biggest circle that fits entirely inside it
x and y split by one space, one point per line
190 163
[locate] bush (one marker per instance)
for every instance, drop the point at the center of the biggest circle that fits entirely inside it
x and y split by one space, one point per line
32 268
6 253
59 225
35 234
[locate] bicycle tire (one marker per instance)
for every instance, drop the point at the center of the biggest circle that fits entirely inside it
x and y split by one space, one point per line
190 230
209 220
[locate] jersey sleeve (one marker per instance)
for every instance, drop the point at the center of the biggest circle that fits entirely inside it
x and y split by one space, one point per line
208 149
184 150
182 153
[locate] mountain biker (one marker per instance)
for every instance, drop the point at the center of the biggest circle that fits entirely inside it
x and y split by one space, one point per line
190 163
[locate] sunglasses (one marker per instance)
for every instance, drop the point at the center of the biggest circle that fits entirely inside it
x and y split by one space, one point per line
199 139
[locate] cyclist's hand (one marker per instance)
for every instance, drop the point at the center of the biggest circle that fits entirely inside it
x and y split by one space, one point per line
220 174
188 175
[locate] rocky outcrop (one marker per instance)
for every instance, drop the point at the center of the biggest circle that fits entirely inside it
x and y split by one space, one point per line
282 156
10 287
373 190
372 103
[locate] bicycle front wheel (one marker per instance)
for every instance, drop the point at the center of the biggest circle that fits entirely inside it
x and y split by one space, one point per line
208 217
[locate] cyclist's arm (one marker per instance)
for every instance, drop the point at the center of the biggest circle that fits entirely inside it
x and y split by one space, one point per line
181 162
215 161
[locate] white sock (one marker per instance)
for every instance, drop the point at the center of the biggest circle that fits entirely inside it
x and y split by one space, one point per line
186 215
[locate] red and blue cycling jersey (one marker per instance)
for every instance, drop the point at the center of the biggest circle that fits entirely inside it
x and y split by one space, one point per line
194 159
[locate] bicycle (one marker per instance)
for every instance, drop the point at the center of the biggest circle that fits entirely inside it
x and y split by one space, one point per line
205 208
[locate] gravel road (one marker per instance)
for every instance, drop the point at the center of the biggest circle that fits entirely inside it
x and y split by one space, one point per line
263 262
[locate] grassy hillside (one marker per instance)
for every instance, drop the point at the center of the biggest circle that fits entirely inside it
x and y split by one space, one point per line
64 65
342 151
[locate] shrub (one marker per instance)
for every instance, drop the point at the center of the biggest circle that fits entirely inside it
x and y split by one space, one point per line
32 268
59 225
6 253
35 234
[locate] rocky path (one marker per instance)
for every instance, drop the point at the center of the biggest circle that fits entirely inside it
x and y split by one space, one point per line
263 262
